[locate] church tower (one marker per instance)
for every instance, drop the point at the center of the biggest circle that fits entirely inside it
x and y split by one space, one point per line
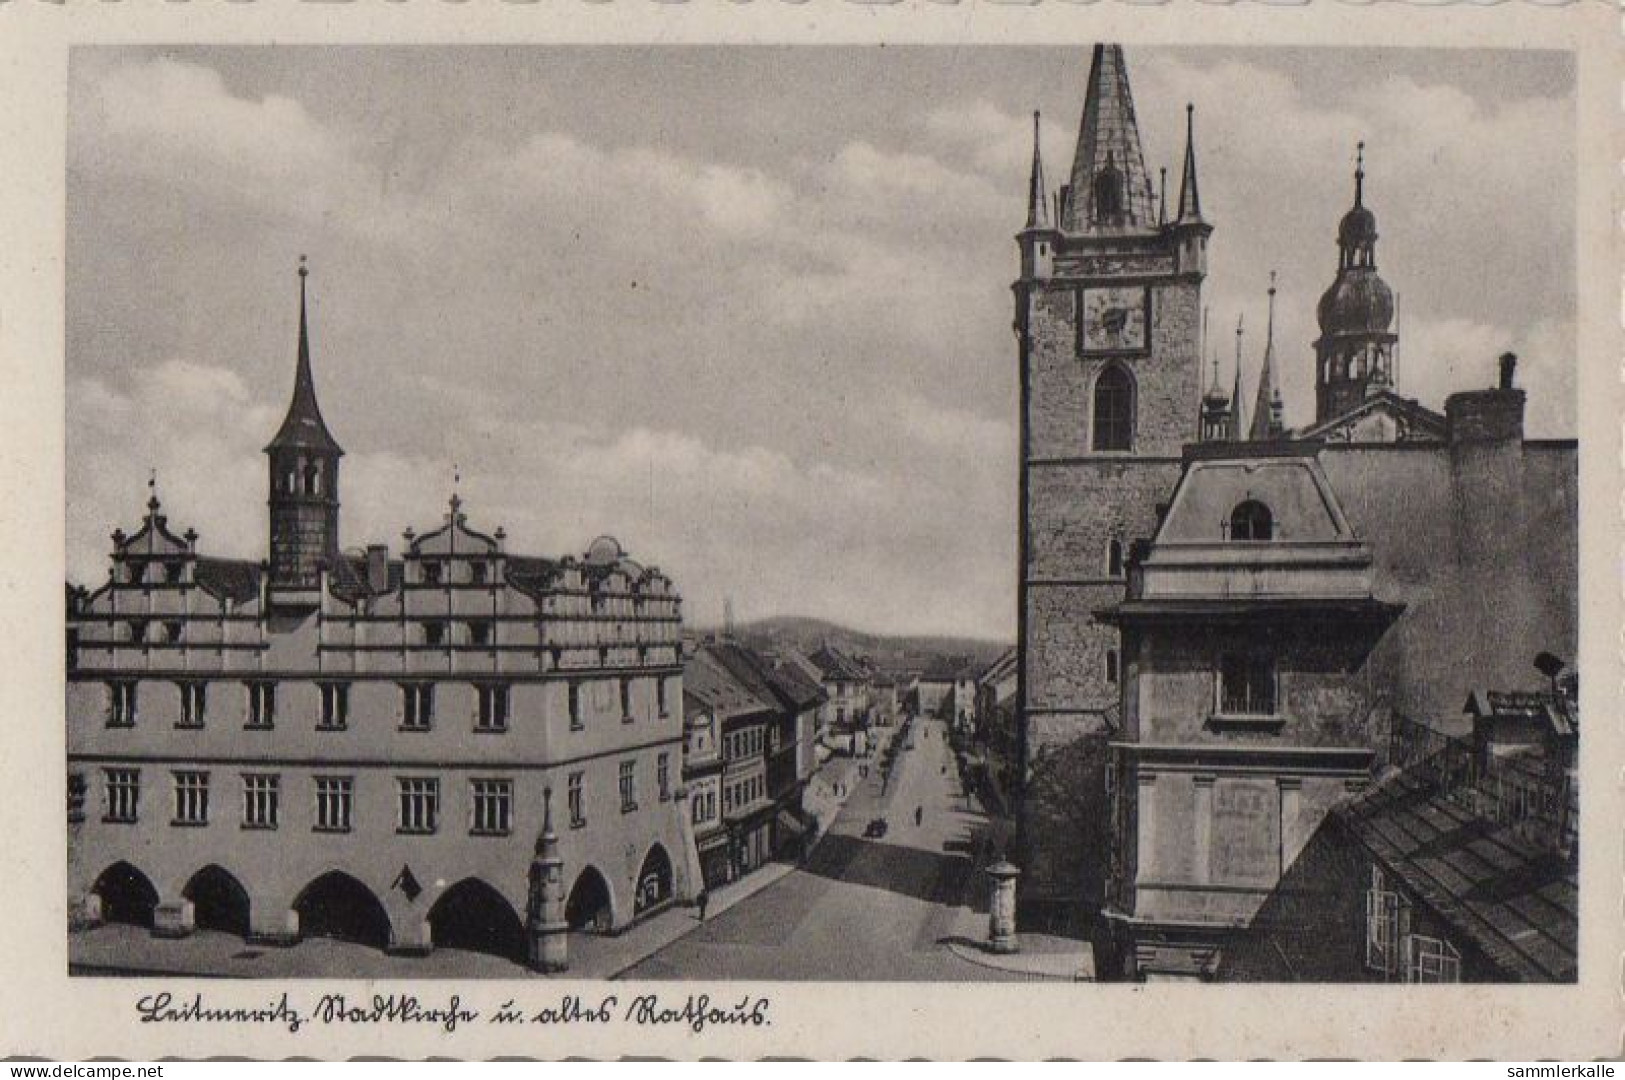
1355 351
304 484
1107 318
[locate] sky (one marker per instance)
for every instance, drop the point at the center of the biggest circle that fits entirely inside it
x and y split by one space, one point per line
747 309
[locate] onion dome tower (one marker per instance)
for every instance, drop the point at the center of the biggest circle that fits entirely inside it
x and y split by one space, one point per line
1354 353
304 483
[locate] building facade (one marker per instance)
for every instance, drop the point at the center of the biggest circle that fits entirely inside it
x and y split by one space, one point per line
360 744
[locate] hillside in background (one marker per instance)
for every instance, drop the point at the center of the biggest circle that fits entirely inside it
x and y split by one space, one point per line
891 654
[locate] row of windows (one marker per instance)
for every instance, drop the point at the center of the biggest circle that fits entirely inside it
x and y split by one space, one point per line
417 704
490 799
1246 684
705 806
742 744
742 793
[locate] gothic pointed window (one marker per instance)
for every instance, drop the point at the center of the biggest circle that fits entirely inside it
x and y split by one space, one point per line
1108 193
1113 414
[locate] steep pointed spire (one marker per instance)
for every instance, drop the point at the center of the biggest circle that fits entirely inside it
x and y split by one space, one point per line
1037 200
1266 411
1110 190
1190 201
1238 428
303 427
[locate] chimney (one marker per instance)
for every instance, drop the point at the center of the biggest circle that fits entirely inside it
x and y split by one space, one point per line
1488 416
377 568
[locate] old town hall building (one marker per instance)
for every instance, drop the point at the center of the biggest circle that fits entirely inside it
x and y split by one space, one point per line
1238 617
364 744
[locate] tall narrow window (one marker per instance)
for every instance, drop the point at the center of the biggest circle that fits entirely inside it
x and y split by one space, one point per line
261 704
77 788
626 701
123 794
417 706
261 797
629 787
663 776
335 797
420 804
1108 193
121 704
577 805
194 703
335 706
577 719
1113 410
1114 558
191 798
1111 666
660 697
1251 521
493 715
493 807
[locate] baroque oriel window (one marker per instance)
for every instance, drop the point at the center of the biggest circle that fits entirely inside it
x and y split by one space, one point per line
1112 415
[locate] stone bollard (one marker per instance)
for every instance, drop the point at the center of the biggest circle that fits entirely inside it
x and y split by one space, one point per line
1001 908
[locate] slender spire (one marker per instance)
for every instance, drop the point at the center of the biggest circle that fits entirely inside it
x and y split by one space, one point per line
1237 426
1110 187
303 427
1359 175
1265 418
1037 201
1190 200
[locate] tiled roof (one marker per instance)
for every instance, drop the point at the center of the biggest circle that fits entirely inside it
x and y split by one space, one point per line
348 577
836 665
751 671
797 685
1516 900
707 680
237 580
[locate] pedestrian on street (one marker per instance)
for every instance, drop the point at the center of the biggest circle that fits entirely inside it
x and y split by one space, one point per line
704 901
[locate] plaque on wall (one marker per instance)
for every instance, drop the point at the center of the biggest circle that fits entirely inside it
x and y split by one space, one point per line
1115 319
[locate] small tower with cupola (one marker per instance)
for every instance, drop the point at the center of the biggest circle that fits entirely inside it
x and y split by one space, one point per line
1355 351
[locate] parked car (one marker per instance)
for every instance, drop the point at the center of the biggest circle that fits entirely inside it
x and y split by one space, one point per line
875 829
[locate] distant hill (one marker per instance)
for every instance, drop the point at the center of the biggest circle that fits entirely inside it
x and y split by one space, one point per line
900 653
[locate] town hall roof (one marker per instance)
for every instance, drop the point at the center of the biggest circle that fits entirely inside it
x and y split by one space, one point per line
303 427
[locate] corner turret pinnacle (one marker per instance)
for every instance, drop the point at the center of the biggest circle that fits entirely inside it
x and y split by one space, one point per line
1037 199
1190 201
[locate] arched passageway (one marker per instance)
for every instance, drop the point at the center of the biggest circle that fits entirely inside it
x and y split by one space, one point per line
588 907
127 895
654 881
472 915
336 905
219 901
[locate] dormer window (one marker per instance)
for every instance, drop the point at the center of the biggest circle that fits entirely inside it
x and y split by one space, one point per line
1251 521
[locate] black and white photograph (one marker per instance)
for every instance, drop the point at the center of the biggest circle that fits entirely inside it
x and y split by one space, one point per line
580 511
